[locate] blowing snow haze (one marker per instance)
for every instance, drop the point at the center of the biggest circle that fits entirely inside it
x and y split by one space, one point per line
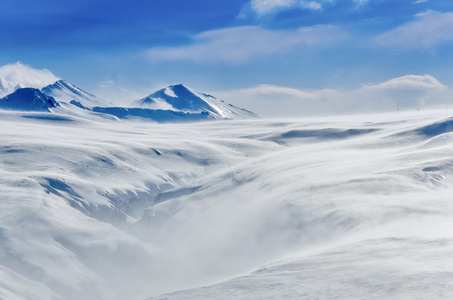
107 208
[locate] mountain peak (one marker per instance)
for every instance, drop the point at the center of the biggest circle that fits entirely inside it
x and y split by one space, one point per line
63 83
65 91
179 86
179 97
28 99
177 89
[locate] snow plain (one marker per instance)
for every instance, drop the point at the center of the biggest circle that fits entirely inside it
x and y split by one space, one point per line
356 207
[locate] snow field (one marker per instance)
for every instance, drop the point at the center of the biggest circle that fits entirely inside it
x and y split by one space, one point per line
262 209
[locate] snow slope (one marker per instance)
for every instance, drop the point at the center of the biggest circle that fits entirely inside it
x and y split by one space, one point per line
181 98
28 99
257 209
64 91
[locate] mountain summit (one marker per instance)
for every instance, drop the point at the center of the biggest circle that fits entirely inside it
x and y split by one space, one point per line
182 98
64 91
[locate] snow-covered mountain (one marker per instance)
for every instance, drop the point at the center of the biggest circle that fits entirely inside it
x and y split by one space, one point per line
176 103
28 99
65 91
182 98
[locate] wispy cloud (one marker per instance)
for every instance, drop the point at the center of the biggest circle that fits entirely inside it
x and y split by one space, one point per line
262 8
273 90
17 75
265 7
428 30
408 92
240 44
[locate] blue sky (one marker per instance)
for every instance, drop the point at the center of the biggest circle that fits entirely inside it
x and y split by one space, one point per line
308 56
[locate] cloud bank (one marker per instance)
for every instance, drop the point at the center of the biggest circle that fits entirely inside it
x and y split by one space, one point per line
410 92
18 75
239 44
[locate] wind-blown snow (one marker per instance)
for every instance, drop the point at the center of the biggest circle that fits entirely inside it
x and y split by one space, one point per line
18 75
258 209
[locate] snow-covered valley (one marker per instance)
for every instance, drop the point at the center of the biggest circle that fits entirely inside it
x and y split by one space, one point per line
356 207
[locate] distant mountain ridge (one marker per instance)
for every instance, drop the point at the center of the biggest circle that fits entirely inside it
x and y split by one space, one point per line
175 103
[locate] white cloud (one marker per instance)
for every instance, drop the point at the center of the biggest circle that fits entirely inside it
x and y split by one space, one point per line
419 82
17 75
269 7
239 44
428 30
276 101
272 90
408 92
262 8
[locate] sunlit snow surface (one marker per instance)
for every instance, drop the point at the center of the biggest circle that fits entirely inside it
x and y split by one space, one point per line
358 207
